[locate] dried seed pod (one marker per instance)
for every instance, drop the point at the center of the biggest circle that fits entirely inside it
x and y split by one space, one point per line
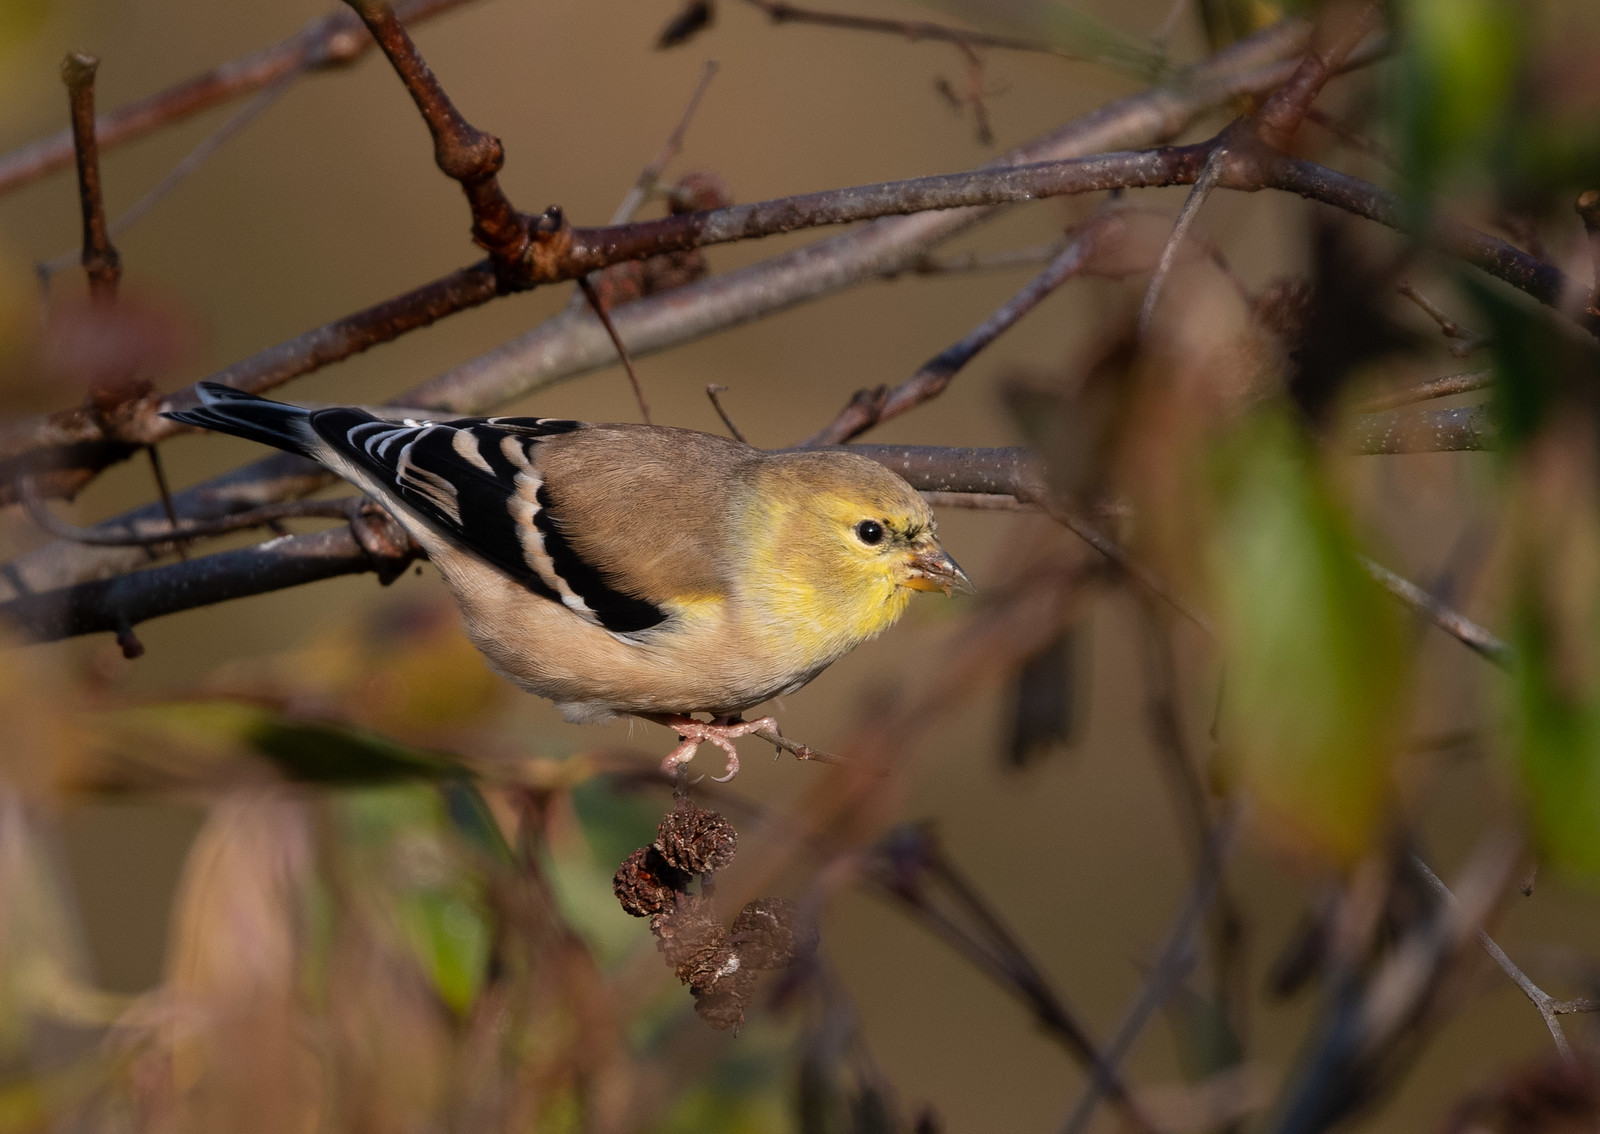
690 927
771 932
704 968
646 883
696 840
723 1005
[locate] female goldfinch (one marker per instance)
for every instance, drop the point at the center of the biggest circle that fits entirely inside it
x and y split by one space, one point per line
632 568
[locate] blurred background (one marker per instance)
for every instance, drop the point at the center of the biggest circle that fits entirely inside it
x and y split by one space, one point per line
164 843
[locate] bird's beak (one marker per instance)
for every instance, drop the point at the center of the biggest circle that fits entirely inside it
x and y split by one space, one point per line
933 570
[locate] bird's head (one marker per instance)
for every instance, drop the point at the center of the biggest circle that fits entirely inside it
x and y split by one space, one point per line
846 543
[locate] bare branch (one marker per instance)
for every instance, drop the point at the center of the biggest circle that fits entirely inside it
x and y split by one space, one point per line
783 13
1426 431
462 151
1278 119
1546 1005
1458 626
1448 386
100 259
174 532
334 40
1172 965
616 340
712 390
869 408
1465 341
191 161
1210 174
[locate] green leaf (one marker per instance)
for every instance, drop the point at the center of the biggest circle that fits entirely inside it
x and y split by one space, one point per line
1314 652
302 749
450 932
1458 66
1538 363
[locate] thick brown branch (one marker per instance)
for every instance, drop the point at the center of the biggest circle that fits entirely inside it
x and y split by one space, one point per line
331 41
100 259
462 151
567 346
590 249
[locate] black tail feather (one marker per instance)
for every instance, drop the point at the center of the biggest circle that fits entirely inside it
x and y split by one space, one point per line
227 410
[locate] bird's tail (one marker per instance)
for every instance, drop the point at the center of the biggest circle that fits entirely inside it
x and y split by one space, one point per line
227 410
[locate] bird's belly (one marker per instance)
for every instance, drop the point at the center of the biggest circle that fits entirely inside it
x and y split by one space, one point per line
708 663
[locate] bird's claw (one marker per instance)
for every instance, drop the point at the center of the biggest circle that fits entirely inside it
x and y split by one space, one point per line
692 734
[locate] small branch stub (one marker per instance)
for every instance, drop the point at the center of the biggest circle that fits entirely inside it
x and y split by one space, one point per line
100 259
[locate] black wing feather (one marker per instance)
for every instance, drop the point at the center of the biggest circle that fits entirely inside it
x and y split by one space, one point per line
471 501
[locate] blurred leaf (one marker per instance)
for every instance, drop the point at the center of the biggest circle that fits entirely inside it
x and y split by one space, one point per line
1555 690
1314 654
304 750
615 823
451 935
403 840
1541 368
1206 1043
1047 698
1062 26
1458 65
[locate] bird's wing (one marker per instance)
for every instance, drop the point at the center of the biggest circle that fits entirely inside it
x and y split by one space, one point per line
478 481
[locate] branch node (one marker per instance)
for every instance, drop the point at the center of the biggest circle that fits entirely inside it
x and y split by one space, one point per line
388 547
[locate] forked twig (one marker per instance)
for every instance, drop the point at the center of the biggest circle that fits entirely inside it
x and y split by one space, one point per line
1548 1007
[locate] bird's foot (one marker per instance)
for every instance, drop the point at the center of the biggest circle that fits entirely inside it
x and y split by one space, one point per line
693 733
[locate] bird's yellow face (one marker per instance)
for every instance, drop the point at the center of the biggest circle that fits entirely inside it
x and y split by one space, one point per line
843 544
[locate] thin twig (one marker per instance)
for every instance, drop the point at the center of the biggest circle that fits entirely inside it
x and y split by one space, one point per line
1351 137
902 865
868 408
99 258
1448 386
712 390
650 176
332 41
1172 965
783 13
1546 1005
1210 174
39 512
1457 625
599 308
1465 341
462 151
191 161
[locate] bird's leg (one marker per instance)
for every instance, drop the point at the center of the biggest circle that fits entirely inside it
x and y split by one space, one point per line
693 733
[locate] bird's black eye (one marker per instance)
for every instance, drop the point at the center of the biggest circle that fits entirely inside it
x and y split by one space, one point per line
869 532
